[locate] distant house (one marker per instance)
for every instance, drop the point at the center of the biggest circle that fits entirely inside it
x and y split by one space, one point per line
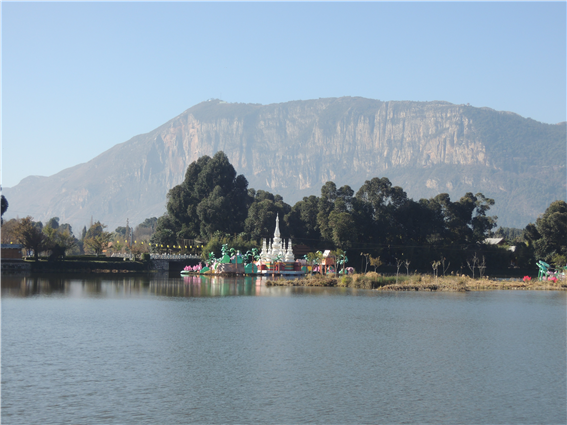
494 241
497 242
11 258
11 251
327 262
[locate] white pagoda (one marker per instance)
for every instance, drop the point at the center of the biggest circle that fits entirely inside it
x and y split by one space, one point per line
276 250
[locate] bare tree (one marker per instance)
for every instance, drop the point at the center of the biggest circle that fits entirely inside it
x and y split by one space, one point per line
366 257
482 267
435 266
443 259
472 263
407 263
398 265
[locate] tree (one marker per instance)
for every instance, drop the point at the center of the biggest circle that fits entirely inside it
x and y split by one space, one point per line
334 220
4 208
367 257
375 262
482 224
435 266
120 232
510 234
314 258
164 240
472 263
399 263
145 230
164 234
549 234
481 267
31 236
343 229
302 221
212 197
467 220
407 263
378 206
380 194
53 223
262 214
59 238
97 239
9 231
215 213
443 260
325 205
340 259
419 223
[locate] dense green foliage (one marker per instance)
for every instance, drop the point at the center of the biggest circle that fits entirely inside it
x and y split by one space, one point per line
97 239
262 211
548 236
4 207
510 234
214 203
379 225
60 238
52 239
211 198
30 235
239 243
380 219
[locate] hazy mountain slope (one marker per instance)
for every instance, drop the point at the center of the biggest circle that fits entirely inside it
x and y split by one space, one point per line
293 148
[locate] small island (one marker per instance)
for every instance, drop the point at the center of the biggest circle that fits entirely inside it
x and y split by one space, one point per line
421 282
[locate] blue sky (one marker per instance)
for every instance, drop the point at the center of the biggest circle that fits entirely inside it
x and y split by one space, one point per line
79 78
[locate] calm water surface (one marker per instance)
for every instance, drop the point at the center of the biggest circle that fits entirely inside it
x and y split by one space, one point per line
200 350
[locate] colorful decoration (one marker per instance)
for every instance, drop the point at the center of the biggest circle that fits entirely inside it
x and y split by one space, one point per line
543 269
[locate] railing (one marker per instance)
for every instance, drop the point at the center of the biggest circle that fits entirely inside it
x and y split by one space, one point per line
123 255
132 257
173 257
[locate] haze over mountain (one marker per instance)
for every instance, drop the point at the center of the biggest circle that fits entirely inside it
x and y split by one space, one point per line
293 148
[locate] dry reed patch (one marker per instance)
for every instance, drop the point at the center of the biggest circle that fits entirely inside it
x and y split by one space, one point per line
315 280
418 282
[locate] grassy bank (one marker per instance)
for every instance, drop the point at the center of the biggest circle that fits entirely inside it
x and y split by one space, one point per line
419 282
92 266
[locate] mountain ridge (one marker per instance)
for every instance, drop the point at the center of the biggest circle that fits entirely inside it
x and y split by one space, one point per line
293 148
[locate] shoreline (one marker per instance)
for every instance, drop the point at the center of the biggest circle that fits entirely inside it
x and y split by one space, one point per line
377 282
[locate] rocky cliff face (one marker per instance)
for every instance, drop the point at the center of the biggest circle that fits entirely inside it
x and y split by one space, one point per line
293 148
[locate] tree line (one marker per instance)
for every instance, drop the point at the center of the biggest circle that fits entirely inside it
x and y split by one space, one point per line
215 204
55 241
378 221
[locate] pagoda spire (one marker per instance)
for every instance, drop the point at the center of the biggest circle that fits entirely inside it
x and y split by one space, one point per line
277 231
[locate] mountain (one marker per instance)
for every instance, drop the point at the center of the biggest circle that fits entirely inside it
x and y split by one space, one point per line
293 148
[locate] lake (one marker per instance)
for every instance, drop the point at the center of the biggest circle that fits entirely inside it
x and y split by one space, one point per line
161 350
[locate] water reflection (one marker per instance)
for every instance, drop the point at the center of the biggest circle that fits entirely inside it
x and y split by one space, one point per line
77 347
201 286
132 286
